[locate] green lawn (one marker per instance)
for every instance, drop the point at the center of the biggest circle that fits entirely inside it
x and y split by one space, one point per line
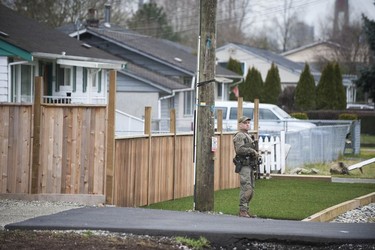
367 139
293 199
280 199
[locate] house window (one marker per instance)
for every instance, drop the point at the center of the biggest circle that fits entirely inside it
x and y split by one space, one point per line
188 102
219 89
97 81
187 81
22 80
84 80
64 76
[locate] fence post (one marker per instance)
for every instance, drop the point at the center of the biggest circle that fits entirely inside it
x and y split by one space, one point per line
239 110
36 134
282 151
148 132
219 119
172 128
172 121
147 128
110 170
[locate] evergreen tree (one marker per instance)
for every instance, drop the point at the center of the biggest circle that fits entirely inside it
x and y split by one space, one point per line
272 85
236 67
152 20
326 94
245 87
256 85
366 79
340 89
305 91
253 85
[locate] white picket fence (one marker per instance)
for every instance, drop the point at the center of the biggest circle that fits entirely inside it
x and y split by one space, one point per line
273 151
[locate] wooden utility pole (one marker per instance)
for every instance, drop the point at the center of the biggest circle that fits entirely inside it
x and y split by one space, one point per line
204 186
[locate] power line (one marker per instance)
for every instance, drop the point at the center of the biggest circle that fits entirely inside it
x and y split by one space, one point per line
257 17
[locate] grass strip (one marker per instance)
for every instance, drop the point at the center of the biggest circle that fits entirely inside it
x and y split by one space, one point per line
280 199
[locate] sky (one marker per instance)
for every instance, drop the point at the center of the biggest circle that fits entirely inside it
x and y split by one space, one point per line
323 8
313 12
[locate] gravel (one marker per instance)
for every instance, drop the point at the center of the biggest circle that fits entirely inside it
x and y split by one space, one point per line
364 214
12 211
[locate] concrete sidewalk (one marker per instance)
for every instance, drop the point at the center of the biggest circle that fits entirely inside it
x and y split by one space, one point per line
222 229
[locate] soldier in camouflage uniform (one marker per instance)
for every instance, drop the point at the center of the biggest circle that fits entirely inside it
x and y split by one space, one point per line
246 153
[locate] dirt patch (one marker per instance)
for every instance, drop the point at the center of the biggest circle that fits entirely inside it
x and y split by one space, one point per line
58 240
53 240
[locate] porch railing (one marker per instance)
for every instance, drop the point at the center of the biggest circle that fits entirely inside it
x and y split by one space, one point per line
74 99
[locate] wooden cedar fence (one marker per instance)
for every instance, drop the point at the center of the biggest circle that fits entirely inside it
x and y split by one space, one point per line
67 149
71 149
15 141
53 149
150 169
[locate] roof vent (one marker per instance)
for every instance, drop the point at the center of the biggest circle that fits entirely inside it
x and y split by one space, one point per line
87 46
107 15
232 51
178 59
92 19
3 34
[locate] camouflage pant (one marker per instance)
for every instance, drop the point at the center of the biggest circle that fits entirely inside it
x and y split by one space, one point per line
247 187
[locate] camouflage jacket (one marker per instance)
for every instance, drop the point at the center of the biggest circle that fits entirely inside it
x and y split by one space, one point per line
244 145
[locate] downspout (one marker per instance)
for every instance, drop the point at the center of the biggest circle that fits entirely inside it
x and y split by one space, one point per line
169 96
164 98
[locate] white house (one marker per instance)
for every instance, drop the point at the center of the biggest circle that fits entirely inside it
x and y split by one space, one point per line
159 73
323 51
262 60
73 72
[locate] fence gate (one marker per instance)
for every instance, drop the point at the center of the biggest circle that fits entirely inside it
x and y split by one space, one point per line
272 150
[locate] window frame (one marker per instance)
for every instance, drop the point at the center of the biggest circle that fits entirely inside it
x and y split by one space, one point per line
189 99
17 82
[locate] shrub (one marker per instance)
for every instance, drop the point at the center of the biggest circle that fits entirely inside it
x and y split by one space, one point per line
301 116
346 116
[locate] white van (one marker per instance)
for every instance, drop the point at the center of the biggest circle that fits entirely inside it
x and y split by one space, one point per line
271 117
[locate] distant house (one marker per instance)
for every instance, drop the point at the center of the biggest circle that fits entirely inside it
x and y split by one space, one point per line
313 53
290 64
262 60
318 53
159 73
73 72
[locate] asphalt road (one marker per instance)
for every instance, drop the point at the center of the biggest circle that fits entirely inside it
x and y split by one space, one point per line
222 229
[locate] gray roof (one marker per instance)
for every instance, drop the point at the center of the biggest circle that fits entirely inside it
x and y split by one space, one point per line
311 45
273 57
164 51
151 77
34 37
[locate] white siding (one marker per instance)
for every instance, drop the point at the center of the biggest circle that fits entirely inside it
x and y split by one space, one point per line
134 103
261 64
313 54
3 79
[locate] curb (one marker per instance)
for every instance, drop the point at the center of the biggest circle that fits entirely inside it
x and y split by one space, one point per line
334 211
302 177
86 199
